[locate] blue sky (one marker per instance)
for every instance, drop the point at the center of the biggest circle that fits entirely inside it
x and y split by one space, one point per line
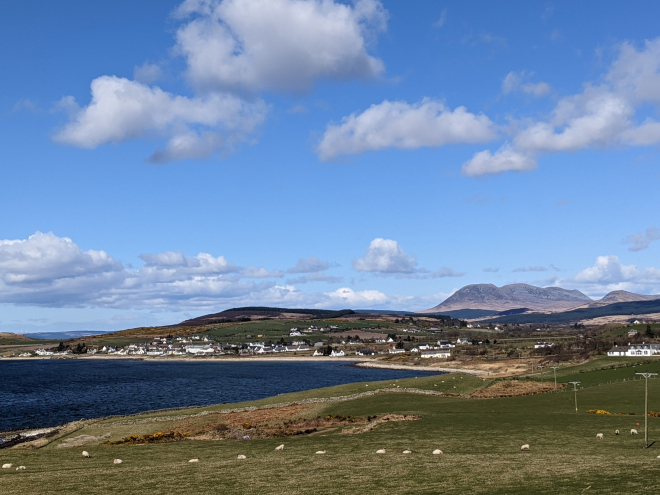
167 159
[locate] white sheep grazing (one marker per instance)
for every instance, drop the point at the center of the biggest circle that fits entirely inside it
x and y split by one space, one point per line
194 460
320 452
599 436
117 461
241 456
21 468
407 451
85 454
7 466
633 431
380 451
280 447
525 447
616 432
437 452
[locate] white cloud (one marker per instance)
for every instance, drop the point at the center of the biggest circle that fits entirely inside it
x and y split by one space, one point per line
595 117
385 256
491 270
360 299
601 116
253 45
121 110
641 241
46 269
147 73
505 159
397 124
608 274
310 265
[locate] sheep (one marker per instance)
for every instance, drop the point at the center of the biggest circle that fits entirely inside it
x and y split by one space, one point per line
241 456
194 460
7 466
21 468
599 436
407 451
85 454
380 451
280 447
437 452
633 431
320 452
117 461
525 447
616 432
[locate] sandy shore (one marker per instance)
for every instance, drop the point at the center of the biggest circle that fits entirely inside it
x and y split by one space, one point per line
380 364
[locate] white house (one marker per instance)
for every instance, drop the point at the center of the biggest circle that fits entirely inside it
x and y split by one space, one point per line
463 340
436 353
445 344
543 345
338 353
634 350
394 350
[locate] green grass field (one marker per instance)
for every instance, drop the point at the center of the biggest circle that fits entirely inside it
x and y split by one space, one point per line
481 440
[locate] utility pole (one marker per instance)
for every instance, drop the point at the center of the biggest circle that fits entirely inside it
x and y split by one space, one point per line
646 375
541 368
575 384
555 370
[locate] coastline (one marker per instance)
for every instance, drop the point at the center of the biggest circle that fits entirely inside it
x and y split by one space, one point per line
357 361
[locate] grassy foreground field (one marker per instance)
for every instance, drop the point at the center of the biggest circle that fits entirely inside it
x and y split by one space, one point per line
480 438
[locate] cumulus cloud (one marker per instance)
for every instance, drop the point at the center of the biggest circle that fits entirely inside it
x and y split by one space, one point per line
604 114
46 269
506 159
310 265
397 124
385 256
354 299
608 274
122 110
284 45
641 241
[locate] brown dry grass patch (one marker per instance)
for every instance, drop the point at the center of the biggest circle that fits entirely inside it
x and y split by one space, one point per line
515 388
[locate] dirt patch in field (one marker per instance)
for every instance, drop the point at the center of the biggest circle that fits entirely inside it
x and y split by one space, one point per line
81 440
360 333
515 388
375 421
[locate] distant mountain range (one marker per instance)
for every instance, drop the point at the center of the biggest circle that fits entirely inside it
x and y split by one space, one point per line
524 297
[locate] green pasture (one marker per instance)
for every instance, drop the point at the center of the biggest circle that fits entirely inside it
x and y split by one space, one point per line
480 438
